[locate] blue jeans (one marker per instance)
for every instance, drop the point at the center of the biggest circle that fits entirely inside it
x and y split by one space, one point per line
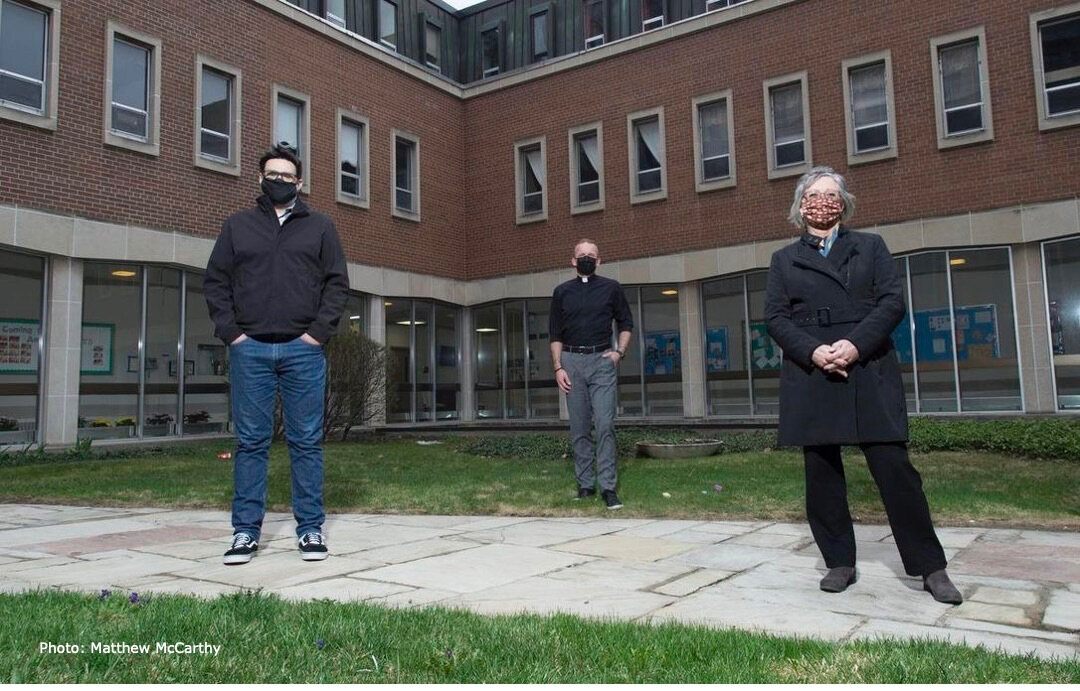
256 371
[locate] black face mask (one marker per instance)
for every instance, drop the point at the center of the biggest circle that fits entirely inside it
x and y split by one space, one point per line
280 192
586 265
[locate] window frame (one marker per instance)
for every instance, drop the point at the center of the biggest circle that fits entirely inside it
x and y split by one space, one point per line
395 210
576 207
944 139
700 183
631 120
585 4
499 28
152 144
794 169
378 25
278 92
521 148
1046 121
855 157
50 91
232 166
658 22
427 20
363 200
548 9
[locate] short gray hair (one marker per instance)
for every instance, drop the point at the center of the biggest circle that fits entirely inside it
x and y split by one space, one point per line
810 178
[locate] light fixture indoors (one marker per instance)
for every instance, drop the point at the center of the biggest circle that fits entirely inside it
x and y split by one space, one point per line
669 291
123 273
486 330
959 261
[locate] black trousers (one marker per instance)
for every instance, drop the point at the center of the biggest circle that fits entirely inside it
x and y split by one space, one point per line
901 490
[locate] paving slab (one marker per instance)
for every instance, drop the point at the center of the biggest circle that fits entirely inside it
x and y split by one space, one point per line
625 547
542 595
100 573
417 598
660 528
693 582
998 614
1005 596
340 589
1014 560
718 610
699 536
884 629
1018 631
541 533
276 570
763 539
622 575
413 551
367 536
793 529
1063 611
728 557
131 539
476 569
31 539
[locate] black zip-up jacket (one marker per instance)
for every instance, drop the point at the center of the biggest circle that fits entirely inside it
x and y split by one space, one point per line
276 281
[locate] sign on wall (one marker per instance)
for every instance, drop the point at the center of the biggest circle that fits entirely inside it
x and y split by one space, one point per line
97 355
18 346
976 335
717 358
662 352
765 354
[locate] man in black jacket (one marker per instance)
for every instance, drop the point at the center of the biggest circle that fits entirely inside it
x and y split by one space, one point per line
276 286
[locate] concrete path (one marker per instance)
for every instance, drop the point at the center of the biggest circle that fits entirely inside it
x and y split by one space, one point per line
1022 586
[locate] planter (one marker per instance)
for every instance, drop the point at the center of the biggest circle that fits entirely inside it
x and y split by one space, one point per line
106 432
694 449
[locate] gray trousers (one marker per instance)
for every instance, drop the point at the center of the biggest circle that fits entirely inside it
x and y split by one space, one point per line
591 400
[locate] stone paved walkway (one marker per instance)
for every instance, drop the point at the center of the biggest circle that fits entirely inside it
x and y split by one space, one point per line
1022 586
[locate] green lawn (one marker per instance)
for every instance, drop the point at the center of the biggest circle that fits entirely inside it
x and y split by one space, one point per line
264 639
401 476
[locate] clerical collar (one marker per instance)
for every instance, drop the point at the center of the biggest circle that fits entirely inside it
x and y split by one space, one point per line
584 279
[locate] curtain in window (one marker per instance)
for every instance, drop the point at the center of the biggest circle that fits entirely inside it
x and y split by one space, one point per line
649 133
868 95
960 74
787 113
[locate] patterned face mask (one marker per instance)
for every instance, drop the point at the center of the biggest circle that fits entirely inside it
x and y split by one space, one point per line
821 211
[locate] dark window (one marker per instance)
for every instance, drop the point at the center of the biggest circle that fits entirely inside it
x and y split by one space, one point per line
215 135
594 23
1060 41
351 154
489 41
388 23
335 12
404 174
532 192
432 45
869 109
130 89
23 44
652 14
715 151
647 138
539 35
961 91
588 173
787 121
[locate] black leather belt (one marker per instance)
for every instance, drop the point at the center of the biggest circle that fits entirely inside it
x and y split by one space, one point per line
827 316
587 349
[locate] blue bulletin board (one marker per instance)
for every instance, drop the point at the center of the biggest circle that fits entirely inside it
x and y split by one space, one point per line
717 355
662 352
976 335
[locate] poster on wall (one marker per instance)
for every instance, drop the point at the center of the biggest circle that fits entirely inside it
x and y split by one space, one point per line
765 354
976 335
97 355
662 353
18 346
716 346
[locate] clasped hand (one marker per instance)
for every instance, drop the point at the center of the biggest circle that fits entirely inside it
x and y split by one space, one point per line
836 358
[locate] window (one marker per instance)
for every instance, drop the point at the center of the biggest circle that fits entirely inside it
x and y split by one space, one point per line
652 14
22 282
335 12
29 61
594 23
645 145
491 50
711 5
432 45
714 162
353 183
406 177
388 23
217 119
586 168
540 34
132 91
423 340
787 132
961 93
868 96
1055 46
1061 260
292 124
529 179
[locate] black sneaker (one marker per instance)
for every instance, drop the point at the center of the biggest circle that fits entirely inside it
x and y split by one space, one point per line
611 499
243 548
313 547
585 493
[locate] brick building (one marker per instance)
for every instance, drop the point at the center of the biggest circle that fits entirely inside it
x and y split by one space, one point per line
462 153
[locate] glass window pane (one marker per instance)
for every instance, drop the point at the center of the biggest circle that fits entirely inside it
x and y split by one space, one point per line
335 12
21 283
398 353
216 96
901 337
516 359
726 375
388 22
133 123
162 362
790 153
933 338
487 347
960 74
423 327
539 35
354 318
290 118
964 119
432 44
662 351
214 145
22 92
23 40
630 403
543 391
447 369
985 330
350 152
765 353
206 393
1063 298
872 138
868 105
787 112
130 75
712 120
490 43
111 325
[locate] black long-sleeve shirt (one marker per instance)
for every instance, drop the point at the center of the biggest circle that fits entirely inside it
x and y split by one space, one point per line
582 311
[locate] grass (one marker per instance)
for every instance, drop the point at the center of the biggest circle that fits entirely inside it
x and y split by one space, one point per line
264 639
401 476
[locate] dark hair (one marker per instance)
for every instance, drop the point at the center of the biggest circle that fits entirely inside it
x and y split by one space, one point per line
283 150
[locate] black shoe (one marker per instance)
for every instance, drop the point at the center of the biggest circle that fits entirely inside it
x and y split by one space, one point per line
943 590
838 579
611 499
313 547
243 547
585 493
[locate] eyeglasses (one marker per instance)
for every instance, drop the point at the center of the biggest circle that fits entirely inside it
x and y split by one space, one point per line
587 256
278 175
820 196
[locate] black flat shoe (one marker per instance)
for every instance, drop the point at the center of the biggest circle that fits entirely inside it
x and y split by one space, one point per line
943 590
838 579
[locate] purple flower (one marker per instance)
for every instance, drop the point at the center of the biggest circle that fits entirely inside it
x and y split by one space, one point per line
134 598
105 593
320 643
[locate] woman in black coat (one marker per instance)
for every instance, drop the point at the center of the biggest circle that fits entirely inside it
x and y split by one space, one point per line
832 302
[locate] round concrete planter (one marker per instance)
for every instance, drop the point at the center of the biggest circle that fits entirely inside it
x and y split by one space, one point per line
695 449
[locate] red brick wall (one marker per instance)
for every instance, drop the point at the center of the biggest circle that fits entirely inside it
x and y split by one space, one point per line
71 171
1020 165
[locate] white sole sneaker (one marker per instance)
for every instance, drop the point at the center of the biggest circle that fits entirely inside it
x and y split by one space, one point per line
314 556
233 559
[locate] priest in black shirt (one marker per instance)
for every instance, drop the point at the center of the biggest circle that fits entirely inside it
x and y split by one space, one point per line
585 364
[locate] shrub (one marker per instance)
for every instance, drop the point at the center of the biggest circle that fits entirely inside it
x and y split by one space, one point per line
101 422
1057 438
159 419
196 417
125 422
8 424
36 454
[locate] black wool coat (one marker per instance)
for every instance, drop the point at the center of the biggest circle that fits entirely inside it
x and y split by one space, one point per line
854 293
